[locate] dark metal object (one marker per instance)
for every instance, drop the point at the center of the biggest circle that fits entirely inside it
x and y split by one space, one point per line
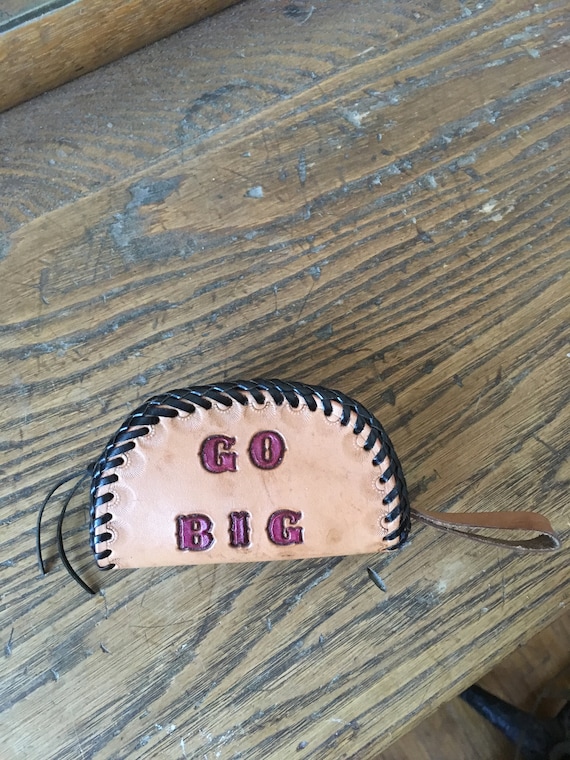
535 738
376 579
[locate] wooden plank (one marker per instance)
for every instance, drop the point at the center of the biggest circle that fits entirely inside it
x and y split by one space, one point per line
408 246
52 43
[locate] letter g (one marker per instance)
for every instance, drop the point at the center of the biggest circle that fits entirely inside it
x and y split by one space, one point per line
216 454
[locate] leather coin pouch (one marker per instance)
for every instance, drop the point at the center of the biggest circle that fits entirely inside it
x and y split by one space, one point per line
255 471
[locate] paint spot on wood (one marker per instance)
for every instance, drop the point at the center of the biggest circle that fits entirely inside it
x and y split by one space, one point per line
8 645
254 192
302 167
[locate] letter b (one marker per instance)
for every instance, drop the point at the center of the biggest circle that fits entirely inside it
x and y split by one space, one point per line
195 532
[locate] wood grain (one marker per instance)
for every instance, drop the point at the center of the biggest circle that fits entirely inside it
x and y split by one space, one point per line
52 43
370 196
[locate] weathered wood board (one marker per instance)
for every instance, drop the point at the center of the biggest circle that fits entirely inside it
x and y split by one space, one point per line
371 196
45 44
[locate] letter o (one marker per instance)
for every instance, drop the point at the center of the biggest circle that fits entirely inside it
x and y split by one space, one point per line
267 449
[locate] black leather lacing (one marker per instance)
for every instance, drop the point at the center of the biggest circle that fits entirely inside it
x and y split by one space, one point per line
59 533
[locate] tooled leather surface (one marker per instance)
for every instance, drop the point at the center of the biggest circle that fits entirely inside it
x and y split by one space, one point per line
326 474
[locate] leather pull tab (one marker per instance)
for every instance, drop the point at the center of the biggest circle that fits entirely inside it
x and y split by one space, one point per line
467 524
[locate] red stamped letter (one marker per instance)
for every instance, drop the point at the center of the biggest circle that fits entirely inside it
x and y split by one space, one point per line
280 530
195 532
267 449
239 529
217 455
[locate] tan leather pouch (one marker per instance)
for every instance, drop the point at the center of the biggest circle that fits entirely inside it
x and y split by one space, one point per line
247 473
258 471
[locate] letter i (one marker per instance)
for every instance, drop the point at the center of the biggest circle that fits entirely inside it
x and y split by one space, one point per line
239 529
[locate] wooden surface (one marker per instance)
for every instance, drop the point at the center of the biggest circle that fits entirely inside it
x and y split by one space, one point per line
368 195
535 678
54 42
